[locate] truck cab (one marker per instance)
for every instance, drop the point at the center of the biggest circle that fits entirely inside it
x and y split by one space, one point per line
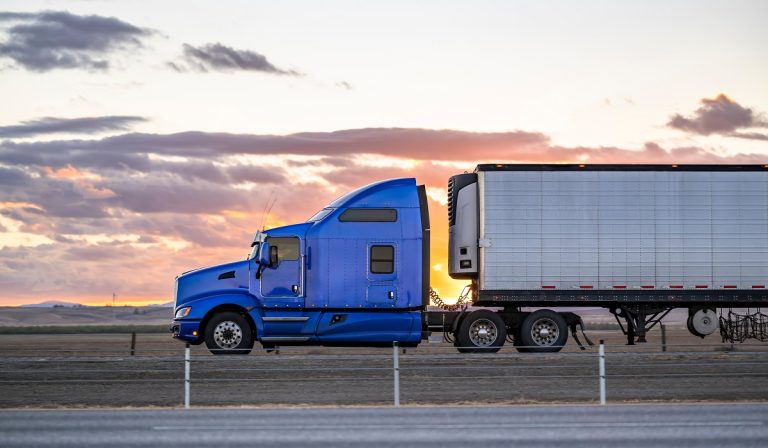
355 273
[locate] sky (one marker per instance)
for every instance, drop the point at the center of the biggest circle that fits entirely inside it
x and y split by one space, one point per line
140 139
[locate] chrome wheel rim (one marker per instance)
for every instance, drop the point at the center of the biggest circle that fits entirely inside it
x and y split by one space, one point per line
227 334
545 331
483 333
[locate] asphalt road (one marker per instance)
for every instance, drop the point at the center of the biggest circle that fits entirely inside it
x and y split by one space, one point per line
679 426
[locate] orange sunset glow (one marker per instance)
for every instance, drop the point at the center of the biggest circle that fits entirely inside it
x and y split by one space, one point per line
151 144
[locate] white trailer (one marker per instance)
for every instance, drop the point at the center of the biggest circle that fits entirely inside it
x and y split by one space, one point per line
639 240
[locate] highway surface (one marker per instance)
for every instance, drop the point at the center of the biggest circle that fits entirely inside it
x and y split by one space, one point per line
680 426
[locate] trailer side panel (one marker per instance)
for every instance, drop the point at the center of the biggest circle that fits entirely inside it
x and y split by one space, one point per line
647 234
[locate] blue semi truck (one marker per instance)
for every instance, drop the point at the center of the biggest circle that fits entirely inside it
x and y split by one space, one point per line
638 240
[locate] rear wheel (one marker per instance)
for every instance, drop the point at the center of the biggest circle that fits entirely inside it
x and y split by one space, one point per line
481 331
543 331
229 333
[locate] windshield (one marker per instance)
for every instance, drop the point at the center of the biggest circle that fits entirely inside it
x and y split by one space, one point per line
320 215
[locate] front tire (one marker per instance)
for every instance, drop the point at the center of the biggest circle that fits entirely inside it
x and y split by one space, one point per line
481 331
543 331
229 333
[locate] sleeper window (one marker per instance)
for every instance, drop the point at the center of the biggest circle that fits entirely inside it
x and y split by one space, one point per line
369 215
382 259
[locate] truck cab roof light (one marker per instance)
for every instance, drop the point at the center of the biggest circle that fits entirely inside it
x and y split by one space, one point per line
585 286
647 286
547 286
758 286
702 286
676 286
620 286
729 286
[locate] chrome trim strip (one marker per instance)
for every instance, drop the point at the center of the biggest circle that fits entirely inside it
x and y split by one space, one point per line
285 339
286 319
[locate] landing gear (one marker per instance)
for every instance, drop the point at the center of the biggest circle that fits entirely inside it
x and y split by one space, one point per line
639 320
481 331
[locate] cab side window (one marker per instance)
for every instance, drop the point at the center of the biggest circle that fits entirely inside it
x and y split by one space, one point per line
382 259
287 247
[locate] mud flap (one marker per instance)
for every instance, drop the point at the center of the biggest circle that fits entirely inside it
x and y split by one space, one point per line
580 323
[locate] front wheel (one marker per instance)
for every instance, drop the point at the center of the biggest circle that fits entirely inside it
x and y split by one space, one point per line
543 331
481 331
229 333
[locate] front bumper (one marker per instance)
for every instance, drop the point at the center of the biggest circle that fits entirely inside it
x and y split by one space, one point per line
186 330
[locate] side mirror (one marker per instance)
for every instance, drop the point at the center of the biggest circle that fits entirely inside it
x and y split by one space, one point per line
273 258
264 254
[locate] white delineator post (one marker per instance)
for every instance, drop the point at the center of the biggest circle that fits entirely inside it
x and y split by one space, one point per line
601 355
396 366
187 359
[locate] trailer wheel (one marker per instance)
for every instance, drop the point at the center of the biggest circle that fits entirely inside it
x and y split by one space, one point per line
543 331
229 333
481 331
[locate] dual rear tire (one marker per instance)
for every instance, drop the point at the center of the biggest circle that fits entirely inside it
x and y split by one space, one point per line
543 331
483 331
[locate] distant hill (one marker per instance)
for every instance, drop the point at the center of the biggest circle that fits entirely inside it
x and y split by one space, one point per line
24 316
53 304
162 305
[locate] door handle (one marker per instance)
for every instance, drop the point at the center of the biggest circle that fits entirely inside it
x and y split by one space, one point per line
391 295
295 289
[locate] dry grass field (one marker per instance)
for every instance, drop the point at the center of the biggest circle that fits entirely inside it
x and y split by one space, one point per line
87 370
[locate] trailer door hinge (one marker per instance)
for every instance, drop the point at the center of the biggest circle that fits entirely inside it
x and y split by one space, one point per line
484 242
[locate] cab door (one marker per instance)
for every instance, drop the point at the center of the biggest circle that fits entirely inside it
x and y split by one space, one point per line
283 283
382 274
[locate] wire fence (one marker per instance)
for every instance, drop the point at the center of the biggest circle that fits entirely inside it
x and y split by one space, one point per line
38 373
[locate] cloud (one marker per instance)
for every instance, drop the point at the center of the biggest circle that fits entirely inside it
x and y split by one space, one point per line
411 143
49 40
720 115
220 58
131 151
13 177
83 125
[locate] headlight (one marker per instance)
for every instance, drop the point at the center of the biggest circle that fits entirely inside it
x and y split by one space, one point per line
183 312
